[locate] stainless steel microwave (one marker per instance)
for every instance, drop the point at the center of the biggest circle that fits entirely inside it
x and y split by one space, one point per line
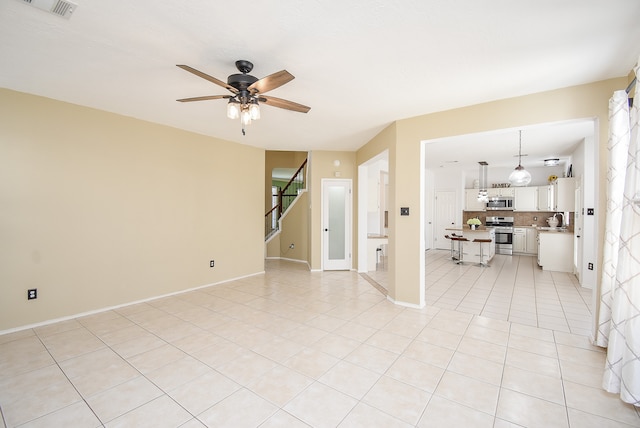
500 203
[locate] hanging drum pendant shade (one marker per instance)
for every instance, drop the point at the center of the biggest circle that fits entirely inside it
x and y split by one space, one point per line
483 195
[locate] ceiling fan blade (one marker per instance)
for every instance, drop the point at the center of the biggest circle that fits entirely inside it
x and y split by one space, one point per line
204 98
270 82
280 103
207 77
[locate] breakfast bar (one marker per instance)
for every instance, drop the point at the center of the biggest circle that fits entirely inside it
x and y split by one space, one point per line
471 251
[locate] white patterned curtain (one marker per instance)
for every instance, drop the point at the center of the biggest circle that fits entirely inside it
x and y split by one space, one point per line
620 290
618 149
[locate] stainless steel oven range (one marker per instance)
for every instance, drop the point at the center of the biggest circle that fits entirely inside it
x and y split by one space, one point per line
504 233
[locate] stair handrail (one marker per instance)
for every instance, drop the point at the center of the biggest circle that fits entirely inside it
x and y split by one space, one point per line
284 190
279 207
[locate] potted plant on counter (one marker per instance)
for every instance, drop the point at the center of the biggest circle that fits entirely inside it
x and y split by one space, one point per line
474 223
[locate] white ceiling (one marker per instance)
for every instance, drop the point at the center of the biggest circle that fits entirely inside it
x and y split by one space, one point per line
500 148
359 64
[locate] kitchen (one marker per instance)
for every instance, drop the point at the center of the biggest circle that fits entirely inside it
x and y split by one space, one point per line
525 216
535 220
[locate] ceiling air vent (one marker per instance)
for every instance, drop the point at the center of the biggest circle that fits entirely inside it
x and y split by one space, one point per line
61 8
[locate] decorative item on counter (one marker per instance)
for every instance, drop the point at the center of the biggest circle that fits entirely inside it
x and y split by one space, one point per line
553 221
474 223
552 179
501 185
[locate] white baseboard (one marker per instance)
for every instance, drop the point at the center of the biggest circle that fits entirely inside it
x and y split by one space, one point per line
405 304
110 308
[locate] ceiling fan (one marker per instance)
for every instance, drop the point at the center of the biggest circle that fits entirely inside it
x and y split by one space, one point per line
247 92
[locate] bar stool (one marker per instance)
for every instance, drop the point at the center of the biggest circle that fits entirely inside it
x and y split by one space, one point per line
460 240
480 242
453 251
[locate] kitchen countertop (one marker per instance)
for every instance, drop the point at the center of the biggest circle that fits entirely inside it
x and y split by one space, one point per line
559 230
466 229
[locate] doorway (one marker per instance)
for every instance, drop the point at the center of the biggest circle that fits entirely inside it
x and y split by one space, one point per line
445 217
336 224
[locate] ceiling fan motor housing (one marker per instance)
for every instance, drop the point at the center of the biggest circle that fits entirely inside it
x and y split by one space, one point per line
241 81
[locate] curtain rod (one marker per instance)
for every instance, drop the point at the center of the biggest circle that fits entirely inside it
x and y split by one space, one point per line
632 84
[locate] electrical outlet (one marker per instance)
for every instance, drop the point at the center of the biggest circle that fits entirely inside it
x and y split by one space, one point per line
32 293
404 210
590 266
590 211
535 218
212 263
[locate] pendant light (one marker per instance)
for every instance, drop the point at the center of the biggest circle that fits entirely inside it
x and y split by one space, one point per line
483 195
520 176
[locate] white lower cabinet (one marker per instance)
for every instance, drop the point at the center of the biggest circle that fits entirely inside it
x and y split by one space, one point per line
555 251
519 239
525 240
531 246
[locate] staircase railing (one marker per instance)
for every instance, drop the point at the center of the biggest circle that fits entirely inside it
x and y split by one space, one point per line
285 198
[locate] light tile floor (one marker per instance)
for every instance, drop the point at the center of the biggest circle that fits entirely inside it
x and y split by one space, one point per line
293 348
513 289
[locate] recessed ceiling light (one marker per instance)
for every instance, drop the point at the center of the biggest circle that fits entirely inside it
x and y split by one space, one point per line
446 162
552 162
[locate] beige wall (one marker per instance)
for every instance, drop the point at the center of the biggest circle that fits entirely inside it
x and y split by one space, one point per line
322 167
272 247
579 102
385 140
98 210
295 226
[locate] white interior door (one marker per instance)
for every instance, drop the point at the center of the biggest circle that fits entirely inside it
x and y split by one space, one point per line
445 216
336 224
578 227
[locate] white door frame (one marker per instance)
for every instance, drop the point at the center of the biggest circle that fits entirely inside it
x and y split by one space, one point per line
439 240
345 264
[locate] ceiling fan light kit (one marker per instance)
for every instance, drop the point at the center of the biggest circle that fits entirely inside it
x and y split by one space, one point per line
247 92
520 176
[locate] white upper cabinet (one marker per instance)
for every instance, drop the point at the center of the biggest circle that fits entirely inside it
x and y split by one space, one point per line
565 191
501 191
526 199
471 202
559 196
546 199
